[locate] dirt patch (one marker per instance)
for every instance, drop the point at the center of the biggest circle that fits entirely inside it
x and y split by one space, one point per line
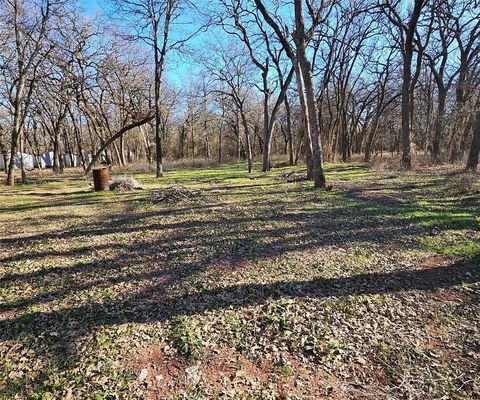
8 314
436 261
452 294
449 349
161 373
374 195
227 372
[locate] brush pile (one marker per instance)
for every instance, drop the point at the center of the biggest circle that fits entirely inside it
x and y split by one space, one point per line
293 176
173 194
125 184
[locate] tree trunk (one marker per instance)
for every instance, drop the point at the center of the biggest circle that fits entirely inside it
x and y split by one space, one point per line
237 134
439 122
267 129
459 112
406 138
208 154
306 137
117 135
407 87
305 68
11 166
370 139
220 142
16 131
78 137
289 132
158 139
345 136
57 164
122 151
248 150
117 153
472 161
22 161
146 143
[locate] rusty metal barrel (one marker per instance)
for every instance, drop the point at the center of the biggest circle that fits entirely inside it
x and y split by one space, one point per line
101 180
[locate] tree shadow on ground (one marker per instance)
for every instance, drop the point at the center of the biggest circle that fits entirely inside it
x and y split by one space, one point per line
154 304
166 254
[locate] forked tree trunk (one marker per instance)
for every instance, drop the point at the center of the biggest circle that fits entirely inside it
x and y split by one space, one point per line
306 137
306 72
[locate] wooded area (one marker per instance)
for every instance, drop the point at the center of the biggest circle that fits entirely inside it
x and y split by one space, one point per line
319 81
239 199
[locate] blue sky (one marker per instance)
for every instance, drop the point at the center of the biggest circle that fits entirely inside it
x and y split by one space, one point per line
91 4
179 70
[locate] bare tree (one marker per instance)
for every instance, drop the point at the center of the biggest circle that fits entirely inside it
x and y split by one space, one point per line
437 59
152 22
230 78
303 72
383 99
465 28
249 28
28 33
472 162
406 32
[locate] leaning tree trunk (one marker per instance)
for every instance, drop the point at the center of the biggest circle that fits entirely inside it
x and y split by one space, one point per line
146 142
134 124
122 151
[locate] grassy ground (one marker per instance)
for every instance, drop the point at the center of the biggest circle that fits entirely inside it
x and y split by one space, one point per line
258 289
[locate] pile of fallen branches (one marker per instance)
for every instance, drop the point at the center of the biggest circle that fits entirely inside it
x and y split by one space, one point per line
173 194
293 176
125 184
